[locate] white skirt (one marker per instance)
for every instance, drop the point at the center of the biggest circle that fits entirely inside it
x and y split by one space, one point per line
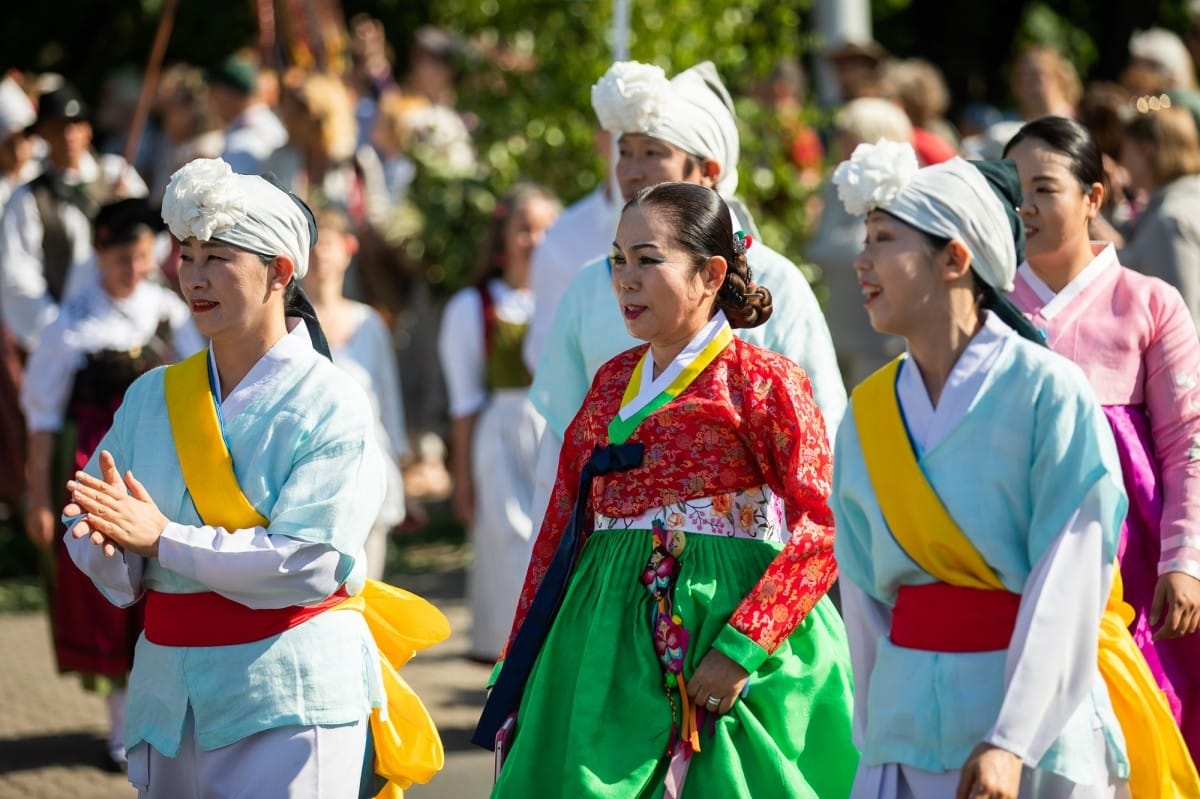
503 457
897 781
284 762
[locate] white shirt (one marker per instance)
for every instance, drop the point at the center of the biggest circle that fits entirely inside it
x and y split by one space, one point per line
251 138
26 306
92 321
460 341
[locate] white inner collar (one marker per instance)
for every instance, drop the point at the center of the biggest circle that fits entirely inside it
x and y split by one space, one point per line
1105 255
652 386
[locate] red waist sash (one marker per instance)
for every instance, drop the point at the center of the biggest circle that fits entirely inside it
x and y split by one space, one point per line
946 618
209 619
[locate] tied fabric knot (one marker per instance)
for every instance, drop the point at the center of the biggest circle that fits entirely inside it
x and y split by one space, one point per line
612 458
522 653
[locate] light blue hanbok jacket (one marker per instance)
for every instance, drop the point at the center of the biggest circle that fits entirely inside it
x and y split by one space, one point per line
1032 447
305 455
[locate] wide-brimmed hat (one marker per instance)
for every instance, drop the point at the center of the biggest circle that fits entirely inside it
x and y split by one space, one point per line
64 102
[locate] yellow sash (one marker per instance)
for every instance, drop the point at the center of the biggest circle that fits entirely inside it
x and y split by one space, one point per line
205 460
408 748
1159 763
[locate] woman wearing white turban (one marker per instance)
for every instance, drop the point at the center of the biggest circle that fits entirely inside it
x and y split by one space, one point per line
978 500
241 684
682 129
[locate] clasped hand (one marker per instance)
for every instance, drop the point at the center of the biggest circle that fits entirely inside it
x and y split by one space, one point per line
118 513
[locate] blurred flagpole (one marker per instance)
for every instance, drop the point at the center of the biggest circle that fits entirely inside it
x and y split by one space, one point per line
620 30
620 37
149 81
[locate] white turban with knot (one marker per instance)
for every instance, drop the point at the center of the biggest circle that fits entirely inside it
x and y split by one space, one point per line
693 111
207 200
951 200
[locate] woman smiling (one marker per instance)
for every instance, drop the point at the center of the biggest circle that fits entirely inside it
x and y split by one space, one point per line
239 486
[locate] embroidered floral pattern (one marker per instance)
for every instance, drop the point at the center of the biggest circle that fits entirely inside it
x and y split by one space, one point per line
670 638
752 513
746 422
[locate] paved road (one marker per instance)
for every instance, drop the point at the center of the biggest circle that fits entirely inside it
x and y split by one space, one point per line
52 732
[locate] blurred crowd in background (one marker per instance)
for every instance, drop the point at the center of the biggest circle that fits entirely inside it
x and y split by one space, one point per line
367 141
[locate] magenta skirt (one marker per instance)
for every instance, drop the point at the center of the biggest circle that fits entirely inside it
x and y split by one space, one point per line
1174 662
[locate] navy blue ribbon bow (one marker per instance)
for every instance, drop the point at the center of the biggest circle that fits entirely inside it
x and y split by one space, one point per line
510 684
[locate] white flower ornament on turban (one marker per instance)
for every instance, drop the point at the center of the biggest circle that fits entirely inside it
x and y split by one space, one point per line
631 96
207 200
693 111
874 175
951 200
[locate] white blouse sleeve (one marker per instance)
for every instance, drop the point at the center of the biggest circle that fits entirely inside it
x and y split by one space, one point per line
461 352
386 374
1051 664
119 578
867 622
27 307
253 567
49 378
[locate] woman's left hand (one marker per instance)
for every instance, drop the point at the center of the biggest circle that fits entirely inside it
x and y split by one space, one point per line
1176 606
120 510
718 677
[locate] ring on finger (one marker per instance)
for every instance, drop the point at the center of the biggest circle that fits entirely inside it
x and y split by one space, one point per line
713 702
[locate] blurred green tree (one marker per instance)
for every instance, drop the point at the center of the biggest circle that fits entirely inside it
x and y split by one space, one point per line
527 82
527 77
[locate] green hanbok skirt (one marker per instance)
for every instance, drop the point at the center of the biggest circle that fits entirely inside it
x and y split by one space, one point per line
596 721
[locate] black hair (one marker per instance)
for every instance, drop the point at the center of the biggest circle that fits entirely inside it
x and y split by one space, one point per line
1070 138
295 301
490 261
703 226
297 304
125 221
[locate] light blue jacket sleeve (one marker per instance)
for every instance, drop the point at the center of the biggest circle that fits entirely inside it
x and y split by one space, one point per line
561 379
798 330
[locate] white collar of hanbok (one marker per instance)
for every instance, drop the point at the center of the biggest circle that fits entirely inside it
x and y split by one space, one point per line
289 349
1105 256
928 425
650 387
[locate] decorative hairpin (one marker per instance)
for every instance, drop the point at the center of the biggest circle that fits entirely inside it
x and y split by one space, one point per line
1152 102
741 242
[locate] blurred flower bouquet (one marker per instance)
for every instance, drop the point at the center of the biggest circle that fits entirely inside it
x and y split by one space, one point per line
439 224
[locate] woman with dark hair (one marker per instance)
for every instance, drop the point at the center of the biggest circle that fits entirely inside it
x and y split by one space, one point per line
238 487
1136 342
978 501
675 602
494 429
